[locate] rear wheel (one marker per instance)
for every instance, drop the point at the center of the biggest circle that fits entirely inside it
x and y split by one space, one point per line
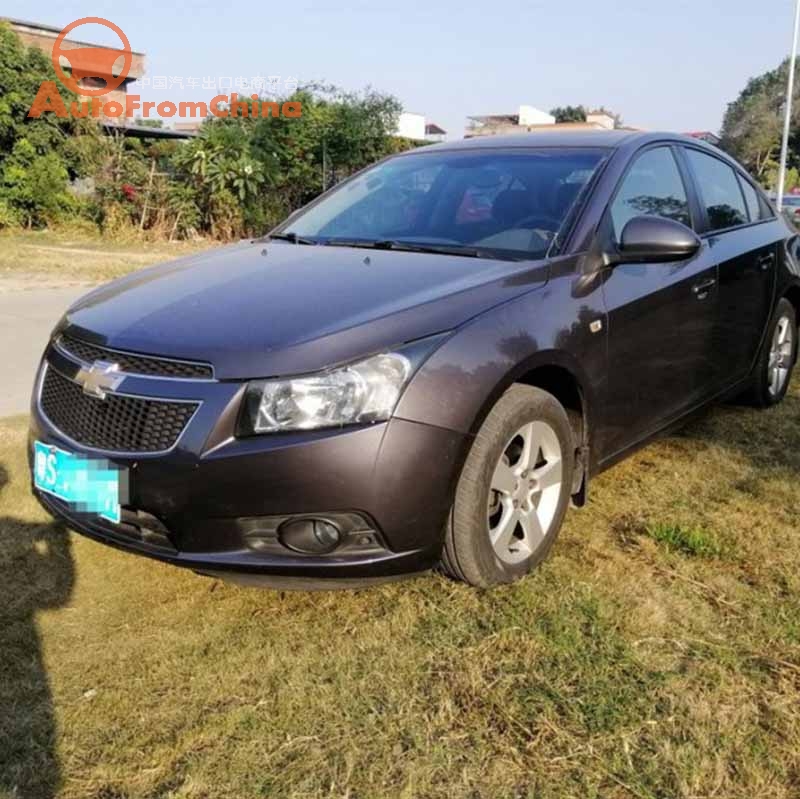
776 362
513 491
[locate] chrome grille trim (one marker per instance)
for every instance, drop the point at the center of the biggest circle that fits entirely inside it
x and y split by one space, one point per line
62 343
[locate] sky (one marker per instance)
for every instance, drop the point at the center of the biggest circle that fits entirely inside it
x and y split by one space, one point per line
661 65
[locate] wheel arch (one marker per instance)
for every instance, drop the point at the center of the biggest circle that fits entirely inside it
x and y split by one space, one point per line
555 372
793 295
567 389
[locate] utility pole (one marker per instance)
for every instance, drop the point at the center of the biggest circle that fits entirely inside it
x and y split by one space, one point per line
788 111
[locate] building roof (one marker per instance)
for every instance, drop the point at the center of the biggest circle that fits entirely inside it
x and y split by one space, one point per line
146 131
561 126
497 119
432 129
38 26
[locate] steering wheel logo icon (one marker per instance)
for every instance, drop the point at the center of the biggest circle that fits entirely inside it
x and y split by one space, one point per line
92 62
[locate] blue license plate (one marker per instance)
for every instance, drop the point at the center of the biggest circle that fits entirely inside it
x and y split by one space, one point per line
89 485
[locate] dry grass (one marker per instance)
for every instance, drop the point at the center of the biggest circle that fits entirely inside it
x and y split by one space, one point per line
43 257
656 654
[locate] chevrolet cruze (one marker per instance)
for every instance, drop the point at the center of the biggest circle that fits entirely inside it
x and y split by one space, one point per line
423 367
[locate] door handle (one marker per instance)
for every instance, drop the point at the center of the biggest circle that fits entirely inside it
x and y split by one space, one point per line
701 289
766 261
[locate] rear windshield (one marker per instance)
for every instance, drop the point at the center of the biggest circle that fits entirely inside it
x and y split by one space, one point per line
507 202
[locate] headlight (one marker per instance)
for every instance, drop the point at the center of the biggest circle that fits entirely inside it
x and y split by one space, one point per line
362 392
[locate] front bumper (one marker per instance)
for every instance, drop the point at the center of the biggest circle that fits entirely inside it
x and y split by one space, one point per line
213 503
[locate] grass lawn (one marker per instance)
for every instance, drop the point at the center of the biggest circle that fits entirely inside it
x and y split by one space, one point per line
656 654
42 257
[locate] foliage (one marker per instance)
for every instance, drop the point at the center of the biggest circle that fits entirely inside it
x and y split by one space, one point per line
569 113
34 185
579 113
38 156
238 177
338 134
243 174
751 129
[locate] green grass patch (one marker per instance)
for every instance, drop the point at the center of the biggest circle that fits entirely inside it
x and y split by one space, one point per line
692 541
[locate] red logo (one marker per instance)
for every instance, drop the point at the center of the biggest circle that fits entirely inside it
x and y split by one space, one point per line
87 61
92 62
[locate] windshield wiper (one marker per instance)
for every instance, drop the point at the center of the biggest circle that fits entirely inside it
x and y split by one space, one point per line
292 237
410 246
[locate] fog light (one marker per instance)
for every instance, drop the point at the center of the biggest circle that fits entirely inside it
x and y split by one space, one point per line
310 536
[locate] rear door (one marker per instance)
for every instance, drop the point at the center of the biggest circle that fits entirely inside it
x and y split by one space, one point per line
661 315
745 251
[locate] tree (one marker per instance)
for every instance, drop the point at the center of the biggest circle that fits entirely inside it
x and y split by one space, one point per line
338 134
240 176
751 129
225 178
38 156
569 113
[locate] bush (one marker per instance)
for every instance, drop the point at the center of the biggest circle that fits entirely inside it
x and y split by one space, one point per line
8 216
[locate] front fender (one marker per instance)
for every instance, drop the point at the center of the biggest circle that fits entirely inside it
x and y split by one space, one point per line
458 385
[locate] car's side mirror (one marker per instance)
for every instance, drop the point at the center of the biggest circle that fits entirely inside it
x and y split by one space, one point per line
656 239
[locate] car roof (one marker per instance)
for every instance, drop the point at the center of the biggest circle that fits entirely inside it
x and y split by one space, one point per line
611 139
628 141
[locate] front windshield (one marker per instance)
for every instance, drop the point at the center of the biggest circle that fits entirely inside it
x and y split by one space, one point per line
491 201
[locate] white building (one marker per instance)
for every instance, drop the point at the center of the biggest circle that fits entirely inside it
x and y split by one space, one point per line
411 126
531 120
528 115
417 128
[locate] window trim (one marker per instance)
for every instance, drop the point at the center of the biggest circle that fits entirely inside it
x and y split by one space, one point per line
742 184
705 231
688 188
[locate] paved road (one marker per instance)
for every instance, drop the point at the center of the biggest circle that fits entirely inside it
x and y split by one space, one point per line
26 319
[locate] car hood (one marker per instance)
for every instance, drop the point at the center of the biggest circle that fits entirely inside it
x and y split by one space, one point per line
260 310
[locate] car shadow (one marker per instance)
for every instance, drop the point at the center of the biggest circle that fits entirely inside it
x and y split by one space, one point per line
764 438
36 573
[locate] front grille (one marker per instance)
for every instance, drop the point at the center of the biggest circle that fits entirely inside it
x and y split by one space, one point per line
117 423
136 364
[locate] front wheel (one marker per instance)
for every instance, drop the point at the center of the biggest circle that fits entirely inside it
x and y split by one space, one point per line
776 362
513 491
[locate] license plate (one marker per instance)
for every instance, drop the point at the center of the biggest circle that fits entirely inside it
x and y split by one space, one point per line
89 485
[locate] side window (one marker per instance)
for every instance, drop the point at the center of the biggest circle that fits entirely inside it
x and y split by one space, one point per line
652 187
766 208
751 199
719 191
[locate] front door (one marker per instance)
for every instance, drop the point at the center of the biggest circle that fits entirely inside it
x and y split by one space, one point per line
660 315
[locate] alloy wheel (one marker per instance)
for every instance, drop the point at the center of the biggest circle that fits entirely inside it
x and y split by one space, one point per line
525 490
780 356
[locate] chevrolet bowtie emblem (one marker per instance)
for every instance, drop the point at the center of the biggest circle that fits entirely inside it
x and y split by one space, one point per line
99 378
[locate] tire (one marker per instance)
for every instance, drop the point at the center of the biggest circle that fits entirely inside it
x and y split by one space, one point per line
489 540
767 389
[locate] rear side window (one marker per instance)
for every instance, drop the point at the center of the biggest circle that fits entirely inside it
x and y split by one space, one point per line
751 200
766 208
652 187
719 191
